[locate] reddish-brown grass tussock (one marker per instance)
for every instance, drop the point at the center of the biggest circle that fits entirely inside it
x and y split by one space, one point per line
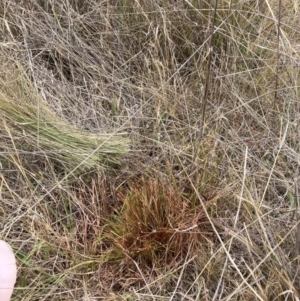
157 220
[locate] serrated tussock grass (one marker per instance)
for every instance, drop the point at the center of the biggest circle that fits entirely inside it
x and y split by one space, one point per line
26 116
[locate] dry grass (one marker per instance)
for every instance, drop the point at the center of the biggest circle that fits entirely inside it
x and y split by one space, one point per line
204 206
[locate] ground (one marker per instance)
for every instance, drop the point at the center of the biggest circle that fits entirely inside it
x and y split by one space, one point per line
150 149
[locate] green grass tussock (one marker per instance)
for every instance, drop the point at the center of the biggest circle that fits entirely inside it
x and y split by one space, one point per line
36 128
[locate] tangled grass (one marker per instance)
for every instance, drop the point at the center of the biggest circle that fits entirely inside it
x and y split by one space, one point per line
150 149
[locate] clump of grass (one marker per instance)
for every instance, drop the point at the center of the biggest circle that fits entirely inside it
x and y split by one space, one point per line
35 128
157 222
